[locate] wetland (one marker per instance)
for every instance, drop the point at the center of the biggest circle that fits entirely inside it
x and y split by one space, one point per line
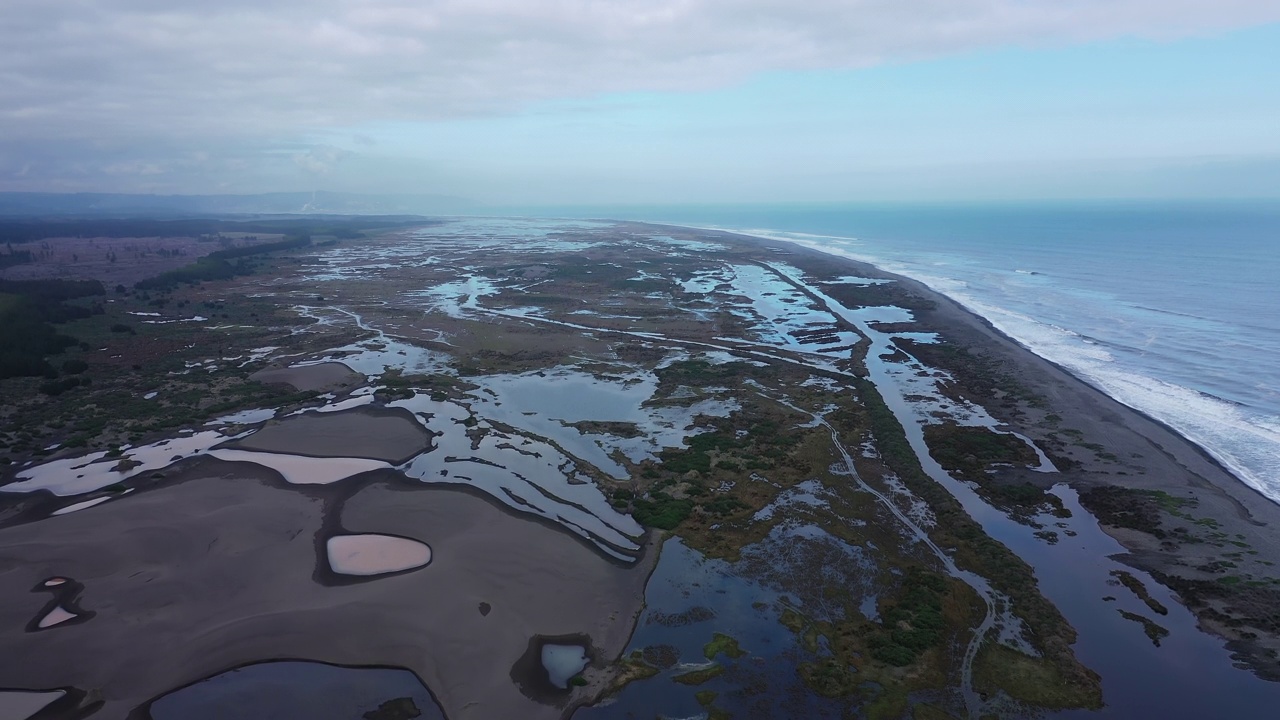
492 468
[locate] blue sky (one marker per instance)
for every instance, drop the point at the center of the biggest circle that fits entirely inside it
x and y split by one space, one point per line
1127 117
1005 100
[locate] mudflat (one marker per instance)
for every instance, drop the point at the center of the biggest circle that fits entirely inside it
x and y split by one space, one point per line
223 569
877 504
320 376
387 434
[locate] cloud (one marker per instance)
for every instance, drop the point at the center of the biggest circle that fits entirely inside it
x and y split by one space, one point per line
320 160
180 76
232 67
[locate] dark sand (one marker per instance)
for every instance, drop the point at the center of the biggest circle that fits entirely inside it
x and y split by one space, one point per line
219 568
1168 461
391 435
322 376
1153 456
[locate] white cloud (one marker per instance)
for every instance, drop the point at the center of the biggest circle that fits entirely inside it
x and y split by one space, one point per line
320 160
101 67
222 78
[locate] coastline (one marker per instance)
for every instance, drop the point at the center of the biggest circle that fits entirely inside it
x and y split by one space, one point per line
1181 483
973 314
1076 604
1204 463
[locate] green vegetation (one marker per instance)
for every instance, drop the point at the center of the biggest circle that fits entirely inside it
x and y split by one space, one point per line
830 677
1137 588
700 676
913 623
31 229
396 385
924 616
1035 681
601 427
97 400
976 374
700 373
217 265
661 511
59 386
721 643
629 669
707 699
979 552
967 451
15 257
1154 631
923 711
28 312
1126 508
680 482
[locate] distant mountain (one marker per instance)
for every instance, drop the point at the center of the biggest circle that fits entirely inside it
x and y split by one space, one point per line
307 203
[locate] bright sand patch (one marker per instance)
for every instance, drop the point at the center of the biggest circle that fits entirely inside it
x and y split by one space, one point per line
80 505
300 470
563 662
56 616
372 554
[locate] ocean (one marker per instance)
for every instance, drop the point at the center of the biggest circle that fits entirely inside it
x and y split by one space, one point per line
1172 309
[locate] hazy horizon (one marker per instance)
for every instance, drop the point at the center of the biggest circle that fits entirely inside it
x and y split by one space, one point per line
694 101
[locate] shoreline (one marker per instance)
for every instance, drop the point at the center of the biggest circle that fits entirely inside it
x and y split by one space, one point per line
974 316
1166 472
1060 570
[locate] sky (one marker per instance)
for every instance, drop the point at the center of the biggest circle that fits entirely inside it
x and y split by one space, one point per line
559 102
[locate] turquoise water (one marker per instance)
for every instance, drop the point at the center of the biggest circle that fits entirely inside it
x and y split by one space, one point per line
1173 309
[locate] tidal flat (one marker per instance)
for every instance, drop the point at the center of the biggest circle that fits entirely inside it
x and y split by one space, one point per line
602 469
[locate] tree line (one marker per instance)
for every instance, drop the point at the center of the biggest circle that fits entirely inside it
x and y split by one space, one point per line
29 310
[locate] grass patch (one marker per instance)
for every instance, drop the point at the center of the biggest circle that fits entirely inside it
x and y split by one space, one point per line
968 451
721 643
1036 681
1071 682
912 622
923 711
1137 588
1154 631
631 668
661 511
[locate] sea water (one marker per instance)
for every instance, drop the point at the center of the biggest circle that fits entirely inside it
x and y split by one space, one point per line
1171 308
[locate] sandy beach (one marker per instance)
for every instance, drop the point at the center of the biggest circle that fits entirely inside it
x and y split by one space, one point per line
1181 489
